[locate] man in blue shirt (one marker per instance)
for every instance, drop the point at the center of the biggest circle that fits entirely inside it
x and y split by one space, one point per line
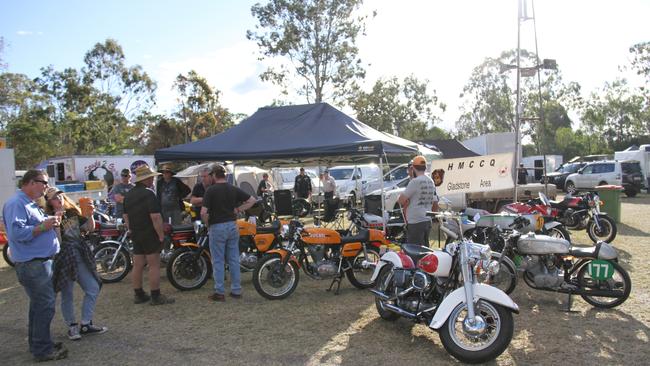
33 242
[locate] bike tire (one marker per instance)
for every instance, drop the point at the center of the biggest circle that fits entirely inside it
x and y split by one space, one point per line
5 255
506 278
350 273
588 282
272 263
606 223
104 253
559 232
175 272
384 283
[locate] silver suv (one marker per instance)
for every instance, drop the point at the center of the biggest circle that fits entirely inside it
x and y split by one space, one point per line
621 173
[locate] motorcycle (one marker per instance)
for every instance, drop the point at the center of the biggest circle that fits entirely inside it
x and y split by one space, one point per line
440 288
5 249
190 264
322 253
552 264
552 226
583 212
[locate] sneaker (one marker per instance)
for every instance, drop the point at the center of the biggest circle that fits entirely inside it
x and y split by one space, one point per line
92 329
56 354
73 332
141 299
217 297
235 296
162 300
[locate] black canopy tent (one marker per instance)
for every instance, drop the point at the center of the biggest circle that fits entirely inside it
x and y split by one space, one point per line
293 135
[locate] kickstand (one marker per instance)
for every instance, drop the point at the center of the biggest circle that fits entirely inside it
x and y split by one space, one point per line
568 304
336 280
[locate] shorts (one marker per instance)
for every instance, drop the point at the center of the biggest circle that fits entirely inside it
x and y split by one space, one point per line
144 246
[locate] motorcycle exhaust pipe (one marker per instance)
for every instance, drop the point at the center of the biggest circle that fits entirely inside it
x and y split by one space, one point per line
382 296
399 311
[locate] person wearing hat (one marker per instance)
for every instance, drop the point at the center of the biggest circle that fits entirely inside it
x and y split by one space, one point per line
74 263
222 203
119 190
418 198
33 243
144 221
171 192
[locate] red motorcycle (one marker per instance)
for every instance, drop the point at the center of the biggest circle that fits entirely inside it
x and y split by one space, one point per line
552 225
583 212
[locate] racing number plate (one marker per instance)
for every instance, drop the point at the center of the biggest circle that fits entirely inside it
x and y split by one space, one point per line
600 270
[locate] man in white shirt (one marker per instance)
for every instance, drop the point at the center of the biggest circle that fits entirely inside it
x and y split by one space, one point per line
418 198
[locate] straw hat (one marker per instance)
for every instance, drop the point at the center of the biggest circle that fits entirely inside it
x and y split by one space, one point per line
166 168
143 172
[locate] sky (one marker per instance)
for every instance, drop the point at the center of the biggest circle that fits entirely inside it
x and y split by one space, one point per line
438 40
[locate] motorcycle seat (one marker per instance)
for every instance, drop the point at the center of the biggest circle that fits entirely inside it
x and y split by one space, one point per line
363 236
415 251
177 228
601 250
106 226
275 226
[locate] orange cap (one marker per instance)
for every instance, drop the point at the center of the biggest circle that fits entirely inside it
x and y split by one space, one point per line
419 160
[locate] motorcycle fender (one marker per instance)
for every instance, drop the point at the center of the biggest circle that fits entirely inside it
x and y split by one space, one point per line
481 292
388 257
552 224
283 255
111 242
188 245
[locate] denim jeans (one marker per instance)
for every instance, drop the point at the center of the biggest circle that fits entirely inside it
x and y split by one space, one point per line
36 277
224 244
90 287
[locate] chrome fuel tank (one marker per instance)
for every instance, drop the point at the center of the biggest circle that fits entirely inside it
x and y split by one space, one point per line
542 244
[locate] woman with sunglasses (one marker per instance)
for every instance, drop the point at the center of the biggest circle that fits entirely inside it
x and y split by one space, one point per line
74 263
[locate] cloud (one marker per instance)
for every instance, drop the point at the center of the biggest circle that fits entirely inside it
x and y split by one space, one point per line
29 33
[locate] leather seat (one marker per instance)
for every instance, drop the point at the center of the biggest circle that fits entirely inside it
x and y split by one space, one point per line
275 226
415 251
106 226
177 228
363 237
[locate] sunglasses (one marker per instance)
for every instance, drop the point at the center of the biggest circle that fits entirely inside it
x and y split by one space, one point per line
41 181
124 176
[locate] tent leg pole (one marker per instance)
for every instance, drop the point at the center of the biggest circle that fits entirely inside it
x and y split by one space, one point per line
383 198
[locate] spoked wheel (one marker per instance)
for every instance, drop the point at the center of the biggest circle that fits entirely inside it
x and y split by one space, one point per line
619 283
187 272
386 285
560 233
5 255
363 266
505 279
112 263
273 280
483 341
605 232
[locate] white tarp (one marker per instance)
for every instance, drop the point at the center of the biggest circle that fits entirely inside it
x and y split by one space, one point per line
473 174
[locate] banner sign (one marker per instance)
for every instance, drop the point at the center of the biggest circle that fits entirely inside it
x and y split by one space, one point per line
473 174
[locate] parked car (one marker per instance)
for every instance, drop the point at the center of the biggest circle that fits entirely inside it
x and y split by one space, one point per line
285 178
352 181
558 177
625 173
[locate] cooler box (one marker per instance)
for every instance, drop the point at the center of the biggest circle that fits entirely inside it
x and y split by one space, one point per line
610 195
75 187
94 184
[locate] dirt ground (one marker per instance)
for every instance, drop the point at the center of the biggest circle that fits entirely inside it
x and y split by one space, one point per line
314 327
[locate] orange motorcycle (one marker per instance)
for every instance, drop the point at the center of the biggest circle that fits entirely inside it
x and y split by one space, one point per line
190 265
322 253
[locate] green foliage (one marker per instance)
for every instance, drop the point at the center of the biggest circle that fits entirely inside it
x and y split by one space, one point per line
199 108
406 108
316 38
161 131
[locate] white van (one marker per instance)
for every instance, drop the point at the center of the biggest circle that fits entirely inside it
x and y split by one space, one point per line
353 181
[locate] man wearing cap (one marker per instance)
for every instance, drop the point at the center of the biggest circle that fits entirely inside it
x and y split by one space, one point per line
33 242
418 198
302 185
221 204
144 221
119 190
171 192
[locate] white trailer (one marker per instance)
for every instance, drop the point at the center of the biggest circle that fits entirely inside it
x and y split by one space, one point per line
7 181
641 154
82 168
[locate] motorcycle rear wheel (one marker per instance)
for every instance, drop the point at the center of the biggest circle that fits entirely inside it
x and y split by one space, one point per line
359 276
384 283
620 278
485 347
185 273
5 255
104 255
607 231
274 281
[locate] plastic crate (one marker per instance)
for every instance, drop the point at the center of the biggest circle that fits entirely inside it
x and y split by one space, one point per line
94 184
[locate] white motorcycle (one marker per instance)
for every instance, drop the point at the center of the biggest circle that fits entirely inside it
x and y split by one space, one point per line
440 288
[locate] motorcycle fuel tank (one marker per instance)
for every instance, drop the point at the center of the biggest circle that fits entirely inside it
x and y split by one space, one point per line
437 263
542 244
321 235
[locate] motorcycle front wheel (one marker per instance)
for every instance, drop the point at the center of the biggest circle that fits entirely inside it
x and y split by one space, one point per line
559 232
362 268
273 280
186 272
112 263
484 346
619 284
607 231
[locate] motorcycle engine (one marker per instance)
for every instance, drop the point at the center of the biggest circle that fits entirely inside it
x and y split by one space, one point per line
411 286
545 272
248 260
323 266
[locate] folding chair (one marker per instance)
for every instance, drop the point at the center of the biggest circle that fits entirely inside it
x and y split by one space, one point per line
334 215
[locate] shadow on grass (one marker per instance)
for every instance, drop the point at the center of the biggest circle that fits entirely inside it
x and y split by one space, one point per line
625 229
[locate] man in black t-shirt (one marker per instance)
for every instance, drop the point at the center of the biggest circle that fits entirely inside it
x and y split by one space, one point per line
196 199
265 185
144 221
302 185
221 204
